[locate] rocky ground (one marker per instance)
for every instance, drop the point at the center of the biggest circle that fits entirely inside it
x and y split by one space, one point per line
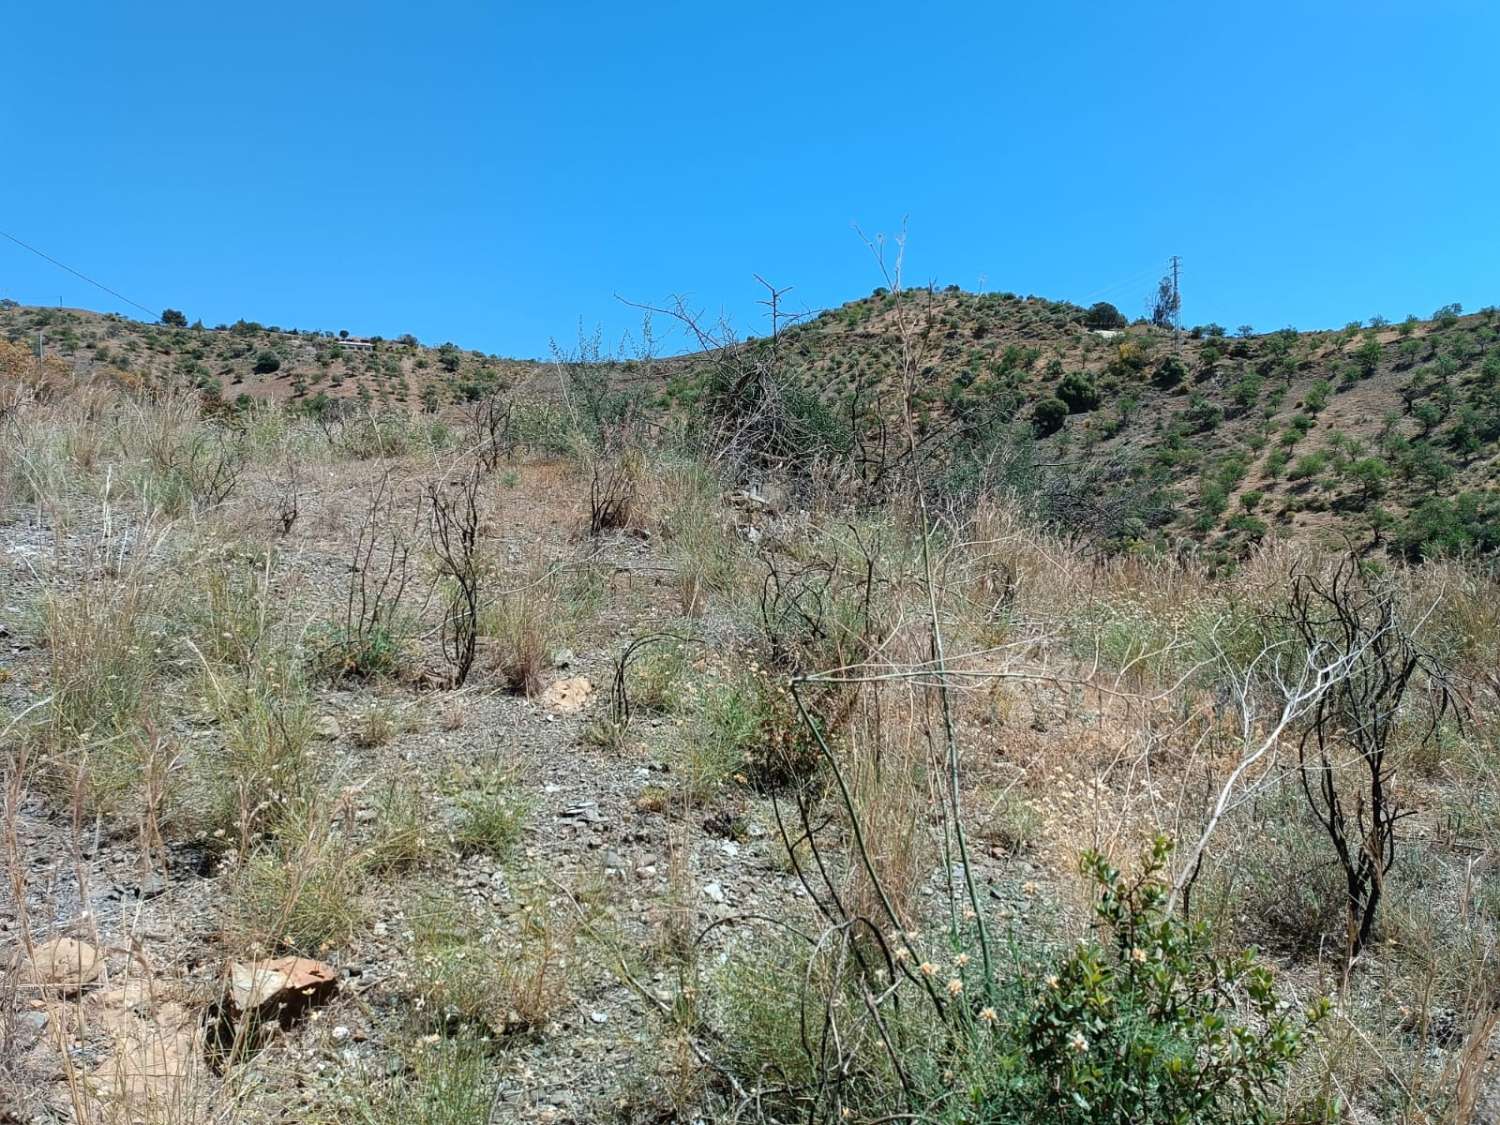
612 858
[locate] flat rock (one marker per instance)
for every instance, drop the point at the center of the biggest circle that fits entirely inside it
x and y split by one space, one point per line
64 964
567 696
151 1066
283 987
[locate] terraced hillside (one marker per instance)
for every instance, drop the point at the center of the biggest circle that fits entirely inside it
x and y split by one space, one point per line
1379 433
1384 435
246 358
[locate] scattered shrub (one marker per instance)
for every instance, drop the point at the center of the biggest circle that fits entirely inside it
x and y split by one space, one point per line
1048 415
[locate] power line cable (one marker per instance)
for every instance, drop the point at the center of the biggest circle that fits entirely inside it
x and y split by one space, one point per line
1133 279
75 273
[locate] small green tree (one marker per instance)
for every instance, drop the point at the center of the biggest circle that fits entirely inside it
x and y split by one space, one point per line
1169 372
267 362
1048 416
174 318
1448 315
1370 476
1102 314
1078 391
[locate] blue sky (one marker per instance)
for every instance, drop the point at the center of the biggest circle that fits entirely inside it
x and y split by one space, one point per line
493 173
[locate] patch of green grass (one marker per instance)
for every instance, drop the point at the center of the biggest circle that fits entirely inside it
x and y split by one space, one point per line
300 894
491 812
656 679
406 830
716 745
105 649
357 655
447 1082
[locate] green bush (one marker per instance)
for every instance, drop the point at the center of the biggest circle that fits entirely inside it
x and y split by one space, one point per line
1169 372
1144 1021
267 362
1102 314
1442 527
1077 390
1309 467
1048 415
1144 1024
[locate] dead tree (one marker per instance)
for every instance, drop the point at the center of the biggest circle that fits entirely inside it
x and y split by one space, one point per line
289 500
1344 758
615 472
757 417
489 419
379 575
454 528
210 466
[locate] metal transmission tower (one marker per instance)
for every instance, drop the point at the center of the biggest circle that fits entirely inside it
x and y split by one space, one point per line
1177 299
1166 305
1177 291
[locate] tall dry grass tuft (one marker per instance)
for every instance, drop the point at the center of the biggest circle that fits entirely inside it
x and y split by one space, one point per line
520 626
104 648
887 766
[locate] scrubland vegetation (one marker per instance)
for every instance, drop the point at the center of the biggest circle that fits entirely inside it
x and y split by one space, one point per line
708 740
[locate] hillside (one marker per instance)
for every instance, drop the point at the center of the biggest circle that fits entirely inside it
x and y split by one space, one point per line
362 766
246 358
1380 434
1135 435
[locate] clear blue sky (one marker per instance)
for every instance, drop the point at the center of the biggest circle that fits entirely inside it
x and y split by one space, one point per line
492 173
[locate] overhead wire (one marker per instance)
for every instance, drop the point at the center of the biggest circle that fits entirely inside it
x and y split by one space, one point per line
85 277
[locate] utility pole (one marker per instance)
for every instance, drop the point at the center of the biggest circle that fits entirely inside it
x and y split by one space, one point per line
1177 298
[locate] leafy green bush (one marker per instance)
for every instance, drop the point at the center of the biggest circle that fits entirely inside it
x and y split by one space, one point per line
1169 372
1077 390
1310 466
1048 415
1145 1021
1102 314
1466 524
1142 1025
267 362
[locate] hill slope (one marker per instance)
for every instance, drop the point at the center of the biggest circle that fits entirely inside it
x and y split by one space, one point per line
1379 434
1386 433
262 362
